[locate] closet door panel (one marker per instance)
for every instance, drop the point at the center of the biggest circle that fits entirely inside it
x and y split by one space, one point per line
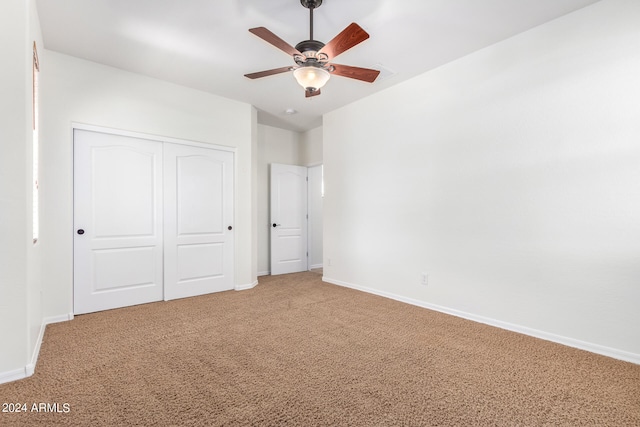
117 221
198 244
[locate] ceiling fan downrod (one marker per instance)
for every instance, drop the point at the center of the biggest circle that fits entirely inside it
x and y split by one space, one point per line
309 48
311 4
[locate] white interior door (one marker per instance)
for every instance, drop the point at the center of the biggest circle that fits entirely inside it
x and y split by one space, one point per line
288 219
198 233
117 221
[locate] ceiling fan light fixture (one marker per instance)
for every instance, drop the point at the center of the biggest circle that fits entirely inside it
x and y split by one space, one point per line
313 70
311 78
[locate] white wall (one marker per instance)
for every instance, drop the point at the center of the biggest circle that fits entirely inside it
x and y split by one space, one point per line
20 280
311 147
75 90
13 181
34 252
511 177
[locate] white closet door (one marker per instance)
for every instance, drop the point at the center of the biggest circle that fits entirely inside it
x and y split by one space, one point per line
198 233
117 221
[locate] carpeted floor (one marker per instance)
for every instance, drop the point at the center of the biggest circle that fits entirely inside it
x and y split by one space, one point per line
295 351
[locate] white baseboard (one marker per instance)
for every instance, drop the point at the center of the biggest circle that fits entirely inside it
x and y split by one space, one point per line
30 368
16 374
246 287
264 273
58 319
314 266
571 342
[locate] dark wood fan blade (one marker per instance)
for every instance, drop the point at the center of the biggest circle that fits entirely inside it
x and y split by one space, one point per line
309 94
269 37
364 74
348 38
268 72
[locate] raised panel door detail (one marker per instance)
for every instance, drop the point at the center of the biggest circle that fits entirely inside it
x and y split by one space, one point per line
290 250
116 269
202 261
123 202
290 192
199 181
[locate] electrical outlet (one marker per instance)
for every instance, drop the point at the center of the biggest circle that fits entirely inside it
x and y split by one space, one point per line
424 279
328 262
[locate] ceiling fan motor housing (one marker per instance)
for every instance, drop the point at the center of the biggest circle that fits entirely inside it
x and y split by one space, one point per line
309 47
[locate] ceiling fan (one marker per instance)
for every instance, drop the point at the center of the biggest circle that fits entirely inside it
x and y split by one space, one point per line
312 69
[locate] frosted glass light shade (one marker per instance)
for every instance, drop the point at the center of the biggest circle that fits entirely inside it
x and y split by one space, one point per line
311 77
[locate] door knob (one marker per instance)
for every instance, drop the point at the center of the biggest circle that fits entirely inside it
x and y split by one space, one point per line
275 225
81 231
229 228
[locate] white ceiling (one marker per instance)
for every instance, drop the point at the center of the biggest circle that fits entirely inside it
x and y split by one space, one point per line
204 44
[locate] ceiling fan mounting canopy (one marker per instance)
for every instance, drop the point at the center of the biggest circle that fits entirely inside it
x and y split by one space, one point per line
311 4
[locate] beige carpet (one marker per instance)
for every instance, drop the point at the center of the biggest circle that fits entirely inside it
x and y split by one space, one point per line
295 351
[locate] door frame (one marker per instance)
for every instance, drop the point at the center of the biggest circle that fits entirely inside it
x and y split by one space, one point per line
149 136
310 240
